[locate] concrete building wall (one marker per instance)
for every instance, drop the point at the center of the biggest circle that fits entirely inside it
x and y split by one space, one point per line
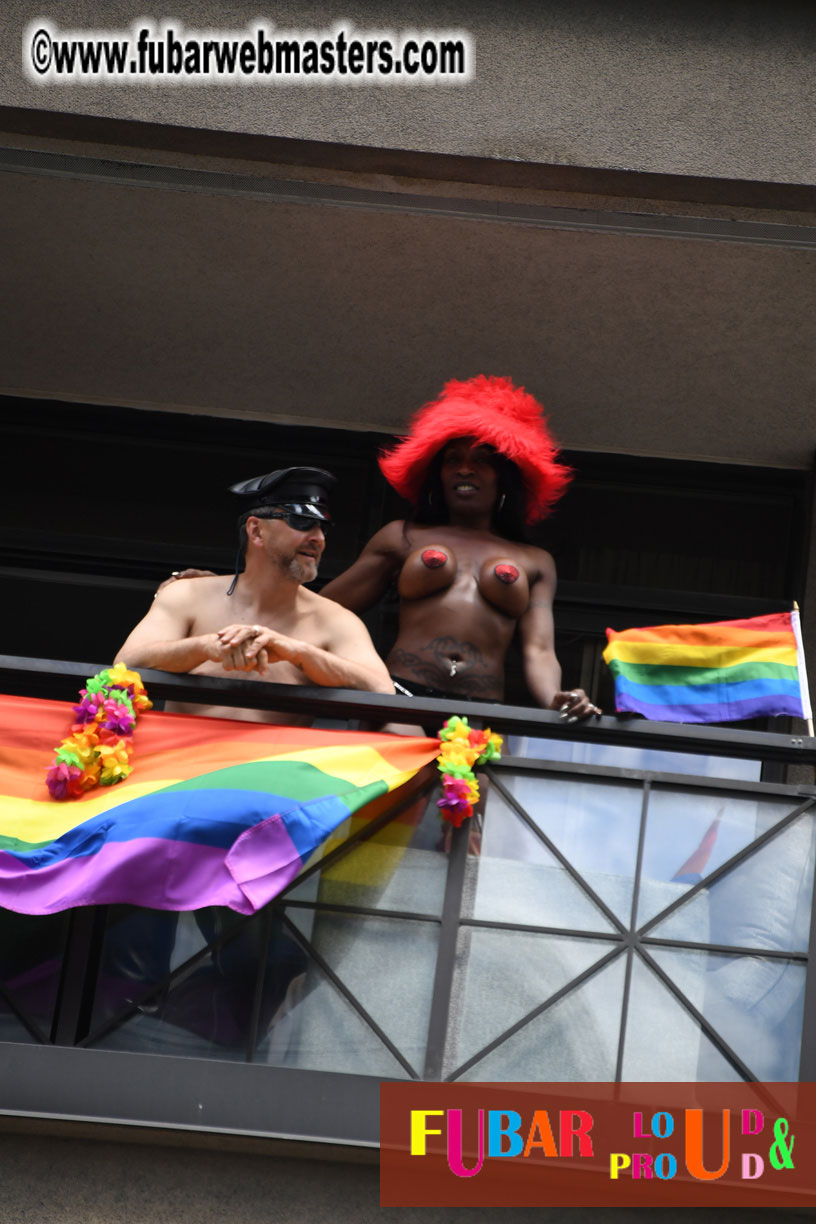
51 1179
186 298
722 89
192 300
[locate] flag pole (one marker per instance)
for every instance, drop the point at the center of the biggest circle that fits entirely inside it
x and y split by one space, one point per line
809 721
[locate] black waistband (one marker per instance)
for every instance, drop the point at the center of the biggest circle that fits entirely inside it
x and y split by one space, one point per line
410 688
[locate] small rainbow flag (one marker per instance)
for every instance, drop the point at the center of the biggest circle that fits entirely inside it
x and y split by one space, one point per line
721 672
216 811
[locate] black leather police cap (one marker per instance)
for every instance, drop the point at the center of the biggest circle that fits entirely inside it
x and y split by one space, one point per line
306 488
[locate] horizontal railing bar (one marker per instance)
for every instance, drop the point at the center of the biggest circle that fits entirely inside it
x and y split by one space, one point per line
650 941
530 928
194 1094
61 679
362 911
615 774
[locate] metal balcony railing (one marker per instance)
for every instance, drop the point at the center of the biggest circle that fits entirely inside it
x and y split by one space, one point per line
596 921
59 679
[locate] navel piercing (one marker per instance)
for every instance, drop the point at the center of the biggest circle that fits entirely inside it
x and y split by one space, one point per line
453 667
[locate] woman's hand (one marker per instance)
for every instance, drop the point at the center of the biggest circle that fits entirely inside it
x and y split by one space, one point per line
185 573
574 705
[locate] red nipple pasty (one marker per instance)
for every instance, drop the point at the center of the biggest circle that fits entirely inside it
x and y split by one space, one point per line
504 584
425 572
506 573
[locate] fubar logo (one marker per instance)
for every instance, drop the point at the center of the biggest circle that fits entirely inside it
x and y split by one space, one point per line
670 1144
504 1138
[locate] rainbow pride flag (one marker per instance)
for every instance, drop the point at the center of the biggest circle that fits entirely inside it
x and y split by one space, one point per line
216 811
721 672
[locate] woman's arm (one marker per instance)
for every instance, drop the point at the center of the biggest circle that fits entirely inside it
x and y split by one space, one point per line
542 670
365 582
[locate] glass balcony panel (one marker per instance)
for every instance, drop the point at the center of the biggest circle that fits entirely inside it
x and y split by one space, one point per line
323 1032
514 877
690 833
763 902
594 824
388 965
316 1028
574 1039
12 1029
754 1003
303 1020
650 759
31 950
663 1041
503 975
403 867
204 1012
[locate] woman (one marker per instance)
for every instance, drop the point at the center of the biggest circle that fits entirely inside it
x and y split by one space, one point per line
477 465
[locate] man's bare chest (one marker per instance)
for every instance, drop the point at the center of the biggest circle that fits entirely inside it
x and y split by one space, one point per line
210 616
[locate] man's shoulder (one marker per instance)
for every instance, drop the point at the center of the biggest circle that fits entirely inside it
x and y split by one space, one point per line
192 590
326 609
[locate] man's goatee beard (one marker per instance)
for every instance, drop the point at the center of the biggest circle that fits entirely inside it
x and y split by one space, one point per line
301 569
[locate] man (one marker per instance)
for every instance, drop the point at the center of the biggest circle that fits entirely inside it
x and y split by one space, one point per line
266 623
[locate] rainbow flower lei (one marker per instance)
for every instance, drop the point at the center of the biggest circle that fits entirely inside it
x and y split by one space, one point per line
462 747
98 750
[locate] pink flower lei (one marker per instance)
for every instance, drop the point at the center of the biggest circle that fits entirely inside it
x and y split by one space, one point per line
461 748
98 750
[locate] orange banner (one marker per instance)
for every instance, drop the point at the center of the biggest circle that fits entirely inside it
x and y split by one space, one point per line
590 1144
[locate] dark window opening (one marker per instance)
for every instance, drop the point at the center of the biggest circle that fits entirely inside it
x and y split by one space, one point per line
103 503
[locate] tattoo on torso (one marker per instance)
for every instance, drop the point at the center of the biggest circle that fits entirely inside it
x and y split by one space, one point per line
433 666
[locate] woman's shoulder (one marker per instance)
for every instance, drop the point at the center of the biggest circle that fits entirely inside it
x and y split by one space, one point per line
389 539
405 536
540 561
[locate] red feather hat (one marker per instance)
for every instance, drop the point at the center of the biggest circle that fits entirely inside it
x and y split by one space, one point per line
492 411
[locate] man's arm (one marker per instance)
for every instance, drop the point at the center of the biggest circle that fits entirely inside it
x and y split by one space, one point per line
350 661
542 670
161 638
366 581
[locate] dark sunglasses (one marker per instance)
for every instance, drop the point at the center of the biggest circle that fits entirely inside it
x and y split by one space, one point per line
297 521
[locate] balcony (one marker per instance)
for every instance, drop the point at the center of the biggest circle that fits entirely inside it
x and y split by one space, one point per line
633 901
